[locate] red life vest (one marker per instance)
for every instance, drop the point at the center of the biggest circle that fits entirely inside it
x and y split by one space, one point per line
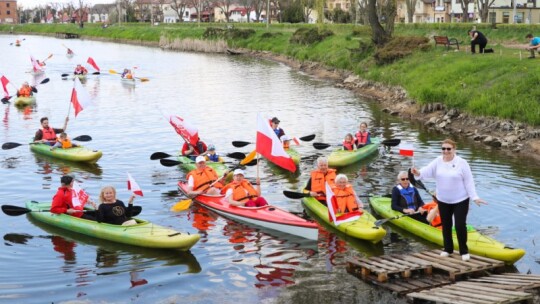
361 137
318 180
242 191
349 146
48 134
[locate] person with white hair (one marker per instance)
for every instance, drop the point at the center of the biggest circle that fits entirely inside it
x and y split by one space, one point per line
25 90
286 140
319 177
406 198
345 196
240 192
202 179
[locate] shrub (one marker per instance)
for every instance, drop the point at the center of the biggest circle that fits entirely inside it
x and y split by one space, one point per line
309 36
400 47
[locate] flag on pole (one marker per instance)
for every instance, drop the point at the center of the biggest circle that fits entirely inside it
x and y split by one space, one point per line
406 149
4 82
269 145
133 186
79 97
80 197
338 219
296 142
185 129
35 66
91 62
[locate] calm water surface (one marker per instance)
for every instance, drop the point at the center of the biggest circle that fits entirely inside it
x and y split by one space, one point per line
233 263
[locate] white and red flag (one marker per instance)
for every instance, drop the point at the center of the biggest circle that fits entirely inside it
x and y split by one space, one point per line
406 149
80 197
269 146
4 82
133 186
188 131
91 62
79 97
35 66
338 219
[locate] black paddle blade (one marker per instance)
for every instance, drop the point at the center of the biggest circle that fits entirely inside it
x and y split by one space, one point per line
321 146
416 183
14 210
391 142
44 81
169 162
6 99
240 144
237 155
295 195
136 210
83 138
64 75
96 73
34 89
307 137
10 145
251 163
159 155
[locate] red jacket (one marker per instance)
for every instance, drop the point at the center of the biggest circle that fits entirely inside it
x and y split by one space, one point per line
185 147
62 201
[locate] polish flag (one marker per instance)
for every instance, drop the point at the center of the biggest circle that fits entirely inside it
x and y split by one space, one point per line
269 145
79 97
4 82
406 149
35 65
333 206
80 197
188 131
296 142
133 186
91 62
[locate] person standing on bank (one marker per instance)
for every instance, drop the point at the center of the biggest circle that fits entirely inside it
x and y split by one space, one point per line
455 187
477 38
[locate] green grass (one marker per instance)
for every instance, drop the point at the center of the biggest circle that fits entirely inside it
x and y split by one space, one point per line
498 84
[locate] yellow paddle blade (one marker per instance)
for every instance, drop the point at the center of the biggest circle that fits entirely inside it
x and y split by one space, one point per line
249 157
113 72
181 205
143 79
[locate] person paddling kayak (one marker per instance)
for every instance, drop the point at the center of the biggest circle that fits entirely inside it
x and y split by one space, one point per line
47 134
63 200
406 199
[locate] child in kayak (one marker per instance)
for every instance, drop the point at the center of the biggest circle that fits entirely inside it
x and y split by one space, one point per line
286 140
348 143
362 137
212 156
63 142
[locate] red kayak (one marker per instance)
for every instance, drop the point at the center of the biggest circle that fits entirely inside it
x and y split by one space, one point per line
268 216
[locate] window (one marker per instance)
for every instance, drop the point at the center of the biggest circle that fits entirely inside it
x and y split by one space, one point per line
506 17
7 4
492 17
8 12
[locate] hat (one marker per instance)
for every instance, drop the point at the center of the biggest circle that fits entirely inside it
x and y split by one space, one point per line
199 159
238 171
284 138
211 148
275 120
66 179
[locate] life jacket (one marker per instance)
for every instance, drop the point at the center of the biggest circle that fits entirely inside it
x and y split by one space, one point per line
80 71
407 199
436 222
66 143
349 146
242 191
25 92
48 134
202 179
286 145
213 157
361 138
344 199
318 180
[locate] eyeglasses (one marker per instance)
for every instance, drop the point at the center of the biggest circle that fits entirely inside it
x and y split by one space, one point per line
446 149
404 179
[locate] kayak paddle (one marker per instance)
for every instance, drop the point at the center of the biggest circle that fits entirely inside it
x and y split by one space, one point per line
240 144
142 79
171 163
16 210
159 155
387 142
378 223
11 145
296 195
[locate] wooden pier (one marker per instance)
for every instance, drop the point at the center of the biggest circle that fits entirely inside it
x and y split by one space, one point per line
66 35
426 276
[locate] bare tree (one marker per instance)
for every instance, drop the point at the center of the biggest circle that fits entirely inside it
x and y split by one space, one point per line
308 8
258 7
465 8
179 7
83 8
363 11
411 8
483 8
143 9
380 36
224 6
247 5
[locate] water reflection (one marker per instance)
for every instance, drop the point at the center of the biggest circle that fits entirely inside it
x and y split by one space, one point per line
48 165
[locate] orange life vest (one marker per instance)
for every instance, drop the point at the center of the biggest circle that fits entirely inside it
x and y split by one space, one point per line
48 134
286 145
25 92
361 137
345 199
318 180
242 191
203 178
66 143
436 222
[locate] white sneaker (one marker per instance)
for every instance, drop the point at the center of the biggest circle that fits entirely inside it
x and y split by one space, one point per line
445 254
465 257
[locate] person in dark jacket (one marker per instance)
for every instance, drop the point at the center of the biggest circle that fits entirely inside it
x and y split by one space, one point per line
477 38
112 210
406 199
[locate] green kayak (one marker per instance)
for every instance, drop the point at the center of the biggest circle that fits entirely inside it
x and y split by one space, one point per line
295 156
24 101
144 234
363 228
342 158
76 154
478 244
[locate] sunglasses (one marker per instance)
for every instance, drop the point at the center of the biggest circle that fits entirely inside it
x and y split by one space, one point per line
404 179
446 149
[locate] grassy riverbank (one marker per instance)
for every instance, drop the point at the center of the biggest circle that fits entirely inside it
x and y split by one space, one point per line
498 84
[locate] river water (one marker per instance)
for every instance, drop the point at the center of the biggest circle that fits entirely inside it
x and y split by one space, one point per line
232 263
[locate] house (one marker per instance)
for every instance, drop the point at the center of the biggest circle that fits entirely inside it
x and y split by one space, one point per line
8 11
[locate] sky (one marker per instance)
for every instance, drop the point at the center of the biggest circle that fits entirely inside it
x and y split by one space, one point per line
34 3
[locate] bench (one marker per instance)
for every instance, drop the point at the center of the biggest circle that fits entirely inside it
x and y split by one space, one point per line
444 40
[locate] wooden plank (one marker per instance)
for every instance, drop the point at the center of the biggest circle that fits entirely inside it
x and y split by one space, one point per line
508 280
416 260
425 296
376 267
471 292
436 296
480 286
398 266
519 275
407 263
464 296
435 262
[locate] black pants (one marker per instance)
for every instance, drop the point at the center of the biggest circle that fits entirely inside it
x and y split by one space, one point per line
459 213
481 46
